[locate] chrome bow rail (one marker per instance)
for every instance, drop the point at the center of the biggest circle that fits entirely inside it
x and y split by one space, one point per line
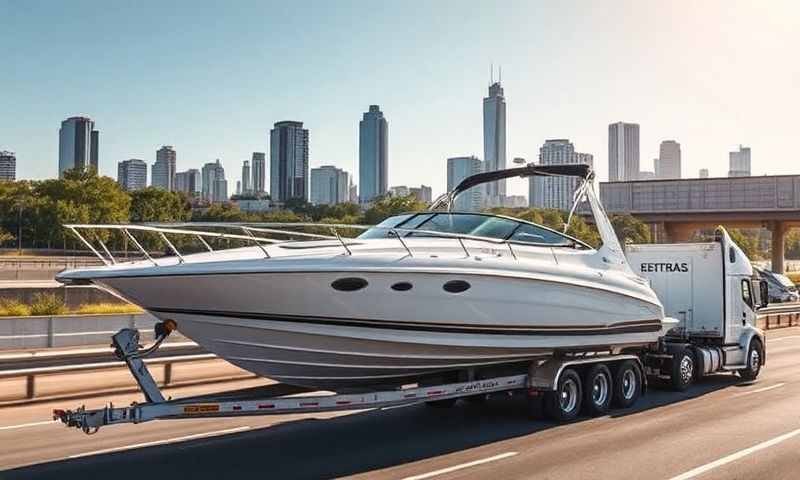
253 233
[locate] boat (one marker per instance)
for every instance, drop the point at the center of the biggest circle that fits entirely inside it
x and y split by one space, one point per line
420 295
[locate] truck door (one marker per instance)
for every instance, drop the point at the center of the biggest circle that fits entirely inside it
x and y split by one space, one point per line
742 307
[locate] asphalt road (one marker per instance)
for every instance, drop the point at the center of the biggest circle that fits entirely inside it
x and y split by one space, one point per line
720 428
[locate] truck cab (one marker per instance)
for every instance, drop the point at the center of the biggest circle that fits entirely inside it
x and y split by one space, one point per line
713 291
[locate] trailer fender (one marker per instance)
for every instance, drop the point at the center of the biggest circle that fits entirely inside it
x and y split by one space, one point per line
544 376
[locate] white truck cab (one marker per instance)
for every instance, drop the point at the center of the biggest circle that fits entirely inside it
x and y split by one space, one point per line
713 291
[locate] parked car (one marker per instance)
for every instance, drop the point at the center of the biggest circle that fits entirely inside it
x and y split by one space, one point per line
781 289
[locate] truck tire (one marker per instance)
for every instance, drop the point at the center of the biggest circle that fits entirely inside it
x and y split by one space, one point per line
627 384
755 356
598 390
564 404
684 366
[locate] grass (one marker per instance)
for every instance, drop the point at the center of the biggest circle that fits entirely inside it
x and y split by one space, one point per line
49 304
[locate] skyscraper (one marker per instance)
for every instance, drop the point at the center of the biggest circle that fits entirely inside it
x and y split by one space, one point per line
459 168
703 173
247 187
556 192
423 194
132 174
623 152
739 162
78 144
494 142
288 166
329 185
8 166
669 160
215 187
164 169
373 154
189 182
259 172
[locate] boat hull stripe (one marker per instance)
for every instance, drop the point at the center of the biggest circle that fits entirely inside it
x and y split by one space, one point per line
636 326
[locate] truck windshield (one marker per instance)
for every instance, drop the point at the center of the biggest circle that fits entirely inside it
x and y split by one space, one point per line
473 224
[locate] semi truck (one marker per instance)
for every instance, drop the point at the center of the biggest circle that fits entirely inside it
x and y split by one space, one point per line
710 289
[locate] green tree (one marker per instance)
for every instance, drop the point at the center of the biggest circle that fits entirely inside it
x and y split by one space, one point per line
747 243
386 207
5 237
156 205
630 229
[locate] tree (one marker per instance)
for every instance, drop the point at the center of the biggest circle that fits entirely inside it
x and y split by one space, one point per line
630 229
386 207
5 237
156 205
747 243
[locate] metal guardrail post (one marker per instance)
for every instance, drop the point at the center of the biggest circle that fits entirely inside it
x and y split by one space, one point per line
167 373
30 386
51 333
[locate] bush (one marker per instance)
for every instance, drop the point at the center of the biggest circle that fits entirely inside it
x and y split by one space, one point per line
98 308
47 304
13 308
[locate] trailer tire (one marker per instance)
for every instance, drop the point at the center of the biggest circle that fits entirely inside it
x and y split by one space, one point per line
564 403
755 356
444 403
684 367
597 390
627 384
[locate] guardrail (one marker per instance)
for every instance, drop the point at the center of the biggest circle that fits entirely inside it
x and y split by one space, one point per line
780 316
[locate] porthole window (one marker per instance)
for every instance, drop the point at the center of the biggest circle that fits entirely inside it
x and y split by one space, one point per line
456 286
402 286
349 284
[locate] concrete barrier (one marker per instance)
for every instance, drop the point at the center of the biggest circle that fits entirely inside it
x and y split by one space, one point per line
72 330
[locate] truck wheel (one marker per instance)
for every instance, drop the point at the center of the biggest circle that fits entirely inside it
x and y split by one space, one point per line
755 356
627 384
445 403
683 369
598 390
564 403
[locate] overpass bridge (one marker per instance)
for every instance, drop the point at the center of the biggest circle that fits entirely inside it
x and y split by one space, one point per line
677 208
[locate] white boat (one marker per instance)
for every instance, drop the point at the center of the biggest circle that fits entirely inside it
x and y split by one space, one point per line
420 295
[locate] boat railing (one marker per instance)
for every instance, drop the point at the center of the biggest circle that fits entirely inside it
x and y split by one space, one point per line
254 233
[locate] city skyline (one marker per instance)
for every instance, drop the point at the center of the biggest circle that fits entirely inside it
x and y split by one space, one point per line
431 97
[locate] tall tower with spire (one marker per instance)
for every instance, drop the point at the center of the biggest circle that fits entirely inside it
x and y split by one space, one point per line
494 140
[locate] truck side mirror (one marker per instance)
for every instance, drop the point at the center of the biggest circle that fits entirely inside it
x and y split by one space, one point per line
764 290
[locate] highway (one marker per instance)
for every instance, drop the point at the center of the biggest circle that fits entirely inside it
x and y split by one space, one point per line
720 428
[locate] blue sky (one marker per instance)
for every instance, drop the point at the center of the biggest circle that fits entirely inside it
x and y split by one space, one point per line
212 78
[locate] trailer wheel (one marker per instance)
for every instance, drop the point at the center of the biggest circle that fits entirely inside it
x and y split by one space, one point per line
444 403
598 390
564 403
755 356
627 384
683 369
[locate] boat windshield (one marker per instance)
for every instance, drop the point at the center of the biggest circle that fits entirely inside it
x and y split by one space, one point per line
473 224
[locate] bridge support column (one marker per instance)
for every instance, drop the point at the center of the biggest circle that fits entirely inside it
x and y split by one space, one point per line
677 233
778 244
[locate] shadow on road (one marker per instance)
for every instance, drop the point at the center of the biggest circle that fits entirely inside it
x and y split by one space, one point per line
316 448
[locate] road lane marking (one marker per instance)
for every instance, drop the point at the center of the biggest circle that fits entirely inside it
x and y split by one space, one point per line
161 442
735 456
25 425
759 390
460 466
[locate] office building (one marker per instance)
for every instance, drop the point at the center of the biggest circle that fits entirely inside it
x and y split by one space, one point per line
8 166
132 174
259 172
373 154
215 187
623 151
164 169
459 168
703 173
399 191
423 194
189 182
353 192
668 165
494 142
78 145
247 179
647 175
329 185
556 192
739 162
288 174
238 187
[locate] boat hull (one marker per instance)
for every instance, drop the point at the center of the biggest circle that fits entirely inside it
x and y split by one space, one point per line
340 340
